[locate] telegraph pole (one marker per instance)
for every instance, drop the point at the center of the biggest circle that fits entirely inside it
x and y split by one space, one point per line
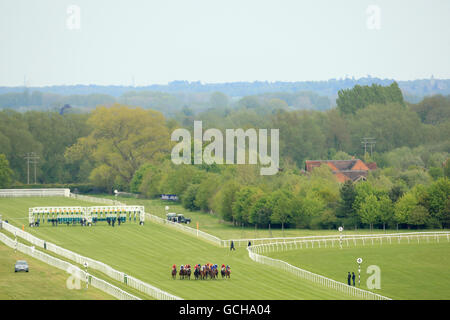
31 157
368 141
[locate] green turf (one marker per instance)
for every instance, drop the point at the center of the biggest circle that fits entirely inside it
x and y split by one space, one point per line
147 252
212 224
408 271
42 282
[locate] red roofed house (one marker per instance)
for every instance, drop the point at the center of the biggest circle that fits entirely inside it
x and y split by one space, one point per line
344 170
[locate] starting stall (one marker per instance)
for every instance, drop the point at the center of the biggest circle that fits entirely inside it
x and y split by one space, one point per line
57 215
85 215
119 214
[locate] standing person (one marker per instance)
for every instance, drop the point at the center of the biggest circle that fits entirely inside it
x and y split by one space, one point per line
249 243
349 278
353 278
232 246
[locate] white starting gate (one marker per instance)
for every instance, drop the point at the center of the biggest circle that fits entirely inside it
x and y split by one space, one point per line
85 215
122 213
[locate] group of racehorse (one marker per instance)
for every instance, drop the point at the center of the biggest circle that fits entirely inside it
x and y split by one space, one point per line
201 272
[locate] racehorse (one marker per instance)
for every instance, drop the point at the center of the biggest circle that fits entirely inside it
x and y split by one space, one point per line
174 272
213 272
204 272
197 271
182 273
227 272
188 272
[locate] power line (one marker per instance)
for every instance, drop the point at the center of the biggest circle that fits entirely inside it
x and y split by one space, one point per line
368 141
31 158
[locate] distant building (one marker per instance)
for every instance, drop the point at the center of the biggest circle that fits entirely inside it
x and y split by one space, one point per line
354 169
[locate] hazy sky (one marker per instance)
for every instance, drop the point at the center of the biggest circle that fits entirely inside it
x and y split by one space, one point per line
157 41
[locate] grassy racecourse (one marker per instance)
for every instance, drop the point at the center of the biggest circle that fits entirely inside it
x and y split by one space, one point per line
408 271
41 282
147 252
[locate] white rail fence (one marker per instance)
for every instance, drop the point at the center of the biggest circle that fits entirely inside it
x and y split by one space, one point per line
316 278
66 266
352 240
94 264
55 192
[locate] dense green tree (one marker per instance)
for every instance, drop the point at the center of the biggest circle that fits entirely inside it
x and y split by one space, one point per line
434 109
122 139
386 210
347 198
138 176
349 101
447 169
301 137
437 199
225 199
206 191
283 211
392 125
245 199
6 173
188 197
369 210
261 211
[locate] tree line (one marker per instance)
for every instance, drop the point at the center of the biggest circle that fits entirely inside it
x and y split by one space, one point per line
128 148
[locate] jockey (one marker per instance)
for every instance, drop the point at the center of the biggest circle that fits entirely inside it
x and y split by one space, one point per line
181 267
174 266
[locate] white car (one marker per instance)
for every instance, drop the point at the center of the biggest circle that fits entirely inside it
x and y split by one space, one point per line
21 265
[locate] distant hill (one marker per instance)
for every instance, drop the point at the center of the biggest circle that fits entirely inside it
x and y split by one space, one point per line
197 97
413 90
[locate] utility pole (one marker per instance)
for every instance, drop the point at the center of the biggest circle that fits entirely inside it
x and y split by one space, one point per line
31 157
368 141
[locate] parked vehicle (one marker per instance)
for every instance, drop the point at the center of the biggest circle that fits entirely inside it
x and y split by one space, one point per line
179 218
21 265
